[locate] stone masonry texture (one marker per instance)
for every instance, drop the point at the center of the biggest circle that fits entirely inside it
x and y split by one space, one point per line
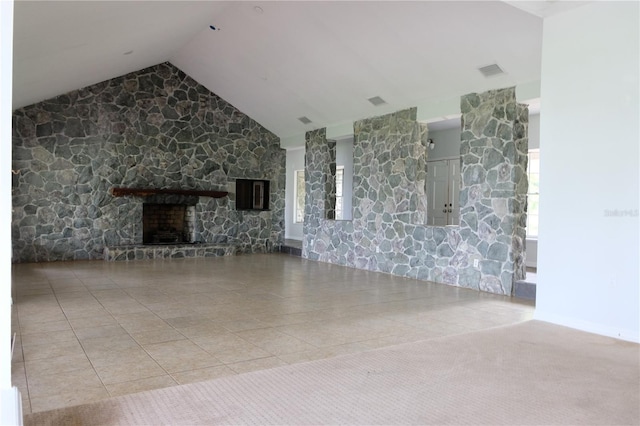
154 128
387 232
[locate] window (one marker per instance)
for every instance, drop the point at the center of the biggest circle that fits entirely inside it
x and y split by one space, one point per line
298 195
339 196
533 196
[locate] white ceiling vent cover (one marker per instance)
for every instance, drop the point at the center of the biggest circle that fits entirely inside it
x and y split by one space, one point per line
377 100
491 70
304 120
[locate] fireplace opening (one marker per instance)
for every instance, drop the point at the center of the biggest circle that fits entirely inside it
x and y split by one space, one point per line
167 223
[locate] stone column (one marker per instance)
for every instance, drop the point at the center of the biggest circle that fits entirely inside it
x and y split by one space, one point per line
494 147
317 169
521 139
330 183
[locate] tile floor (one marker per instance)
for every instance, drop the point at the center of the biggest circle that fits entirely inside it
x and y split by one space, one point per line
93 329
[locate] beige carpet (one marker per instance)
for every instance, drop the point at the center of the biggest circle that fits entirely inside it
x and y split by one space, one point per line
530 373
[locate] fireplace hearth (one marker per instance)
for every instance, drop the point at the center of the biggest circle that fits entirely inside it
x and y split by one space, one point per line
167 223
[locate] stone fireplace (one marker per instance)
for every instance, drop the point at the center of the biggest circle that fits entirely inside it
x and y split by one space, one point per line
167 223
158 137
174 223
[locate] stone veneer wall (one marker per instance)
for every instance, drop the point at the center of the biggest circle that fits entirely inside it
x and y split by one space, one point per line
519 160
330 182
493 189
316 228
387 232
155 128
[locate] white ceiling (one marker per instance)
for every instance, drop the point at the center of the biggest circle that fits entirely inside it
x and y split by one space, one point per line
59 46
277 61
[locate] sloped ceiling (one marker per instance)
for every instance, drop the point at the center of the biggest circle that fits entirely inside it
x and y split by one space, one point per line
277 61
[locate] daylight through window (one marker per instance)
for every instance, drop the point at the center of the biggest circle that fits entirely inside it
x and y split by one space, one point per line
339 193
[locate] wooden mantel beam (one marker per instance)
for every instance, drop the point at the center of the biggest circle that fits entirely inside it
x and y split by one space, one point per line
144 192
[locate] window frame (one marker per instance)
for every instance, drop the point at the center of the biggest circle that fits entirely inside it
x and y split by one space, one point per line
340 190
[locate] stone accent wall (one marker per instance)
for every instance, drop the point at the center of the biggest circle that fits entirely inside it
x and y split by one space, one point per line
318 160
387 232
519 206
177 251
494 186
155 128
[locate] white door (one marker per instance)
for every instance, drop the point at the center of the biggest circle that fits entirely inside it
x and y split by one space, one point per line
454 193
437 192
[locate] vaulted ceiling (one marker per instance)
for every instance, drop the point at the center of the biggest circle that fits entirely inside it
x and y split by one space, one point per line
278 61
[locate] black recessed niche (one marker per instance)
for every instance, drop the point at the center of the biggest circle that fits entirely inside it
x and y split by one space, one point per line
252 194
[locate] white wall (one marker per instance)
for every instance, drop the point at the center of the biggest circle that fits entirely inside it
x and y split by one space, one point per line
589 132
295 161
447 144
531 257
10 411
6 23
534 131
344 158
531 253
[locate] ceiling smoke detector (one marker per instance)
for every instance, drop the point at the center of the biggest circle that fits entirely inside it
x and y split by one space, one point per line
377 100
491 70
304 120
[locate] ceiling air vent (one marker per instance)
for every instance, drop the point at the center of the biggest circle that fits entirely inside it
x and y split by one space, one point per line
491 70
377 100
304 120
